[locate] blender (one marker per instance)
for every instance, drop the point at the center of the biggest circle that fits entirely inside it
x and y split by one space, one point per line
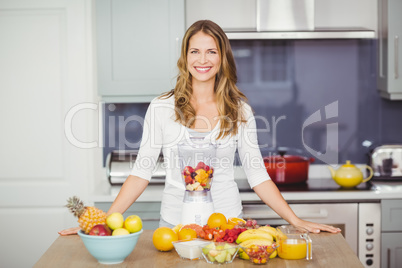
196 156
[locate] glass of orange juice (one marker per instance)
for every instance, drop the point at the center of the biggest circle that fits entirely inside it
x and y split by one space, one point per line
294 243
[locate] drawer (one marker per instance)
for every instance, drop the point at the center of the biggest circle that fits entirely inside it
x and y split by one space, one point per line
391 215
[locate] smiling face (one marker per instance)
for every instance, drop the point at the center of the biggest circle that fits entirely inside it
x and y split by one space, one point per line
203 60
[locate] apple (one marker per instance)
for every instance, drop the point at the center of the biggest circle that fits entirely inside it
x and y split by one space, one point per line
120 231
100 230
115 220
133 223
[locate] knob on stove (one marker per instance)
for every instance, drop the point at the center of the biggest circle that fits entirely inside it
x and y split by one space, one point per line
369 246
369 231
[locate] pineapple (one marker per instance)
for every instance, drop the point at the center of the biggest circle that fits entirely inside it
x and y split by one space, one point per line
88 217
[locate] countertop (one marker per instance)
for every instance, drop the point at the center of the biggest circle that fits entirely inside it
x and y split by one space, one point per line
104 192
329 250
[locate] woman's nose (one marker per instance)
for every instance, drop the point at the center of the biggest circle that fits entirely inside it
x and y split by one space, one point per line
203 58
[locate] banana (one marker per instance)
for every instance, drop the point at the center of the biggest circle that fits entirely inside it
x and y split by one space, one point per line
271 230
243 255
257 241
253 234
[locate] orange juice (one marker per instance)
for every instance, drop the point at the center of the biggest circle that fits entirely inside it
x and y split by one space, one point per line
292 249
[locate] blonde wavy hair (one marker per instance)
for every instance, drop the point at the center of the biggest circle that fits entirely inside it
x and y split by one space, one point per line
228 97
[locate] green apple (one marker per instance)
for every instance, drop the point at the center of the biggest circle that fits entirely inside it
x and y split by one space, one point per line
213 252
231 250
120 231
115 220
229 257
207 248
133 223
221 258
212 259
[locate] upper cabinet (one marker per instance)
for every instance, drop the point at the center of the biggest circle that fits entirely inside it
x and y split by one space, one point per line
288 19
389 80
138 45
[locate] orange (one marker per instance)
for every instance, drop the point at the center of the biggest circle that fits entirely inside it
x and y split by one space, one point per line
235 221
227 226
216 220
187 234
163 238
197 228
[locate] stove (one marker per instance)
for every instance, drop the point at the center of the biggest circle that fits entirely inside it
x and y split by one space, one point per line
311 185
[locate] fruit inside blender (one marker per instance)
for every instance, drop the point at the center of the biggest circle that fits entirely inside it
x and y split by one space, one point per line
198 178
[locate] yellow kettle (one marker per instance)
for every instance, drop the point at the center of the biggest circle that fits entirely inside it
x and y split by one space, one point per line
348 175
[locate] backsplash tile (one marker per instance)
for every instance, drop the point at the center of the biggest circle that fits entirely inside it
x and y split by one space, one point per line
286 82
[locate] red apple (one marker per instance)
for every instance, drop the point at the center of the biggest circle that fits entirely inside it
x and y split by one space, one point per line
100 230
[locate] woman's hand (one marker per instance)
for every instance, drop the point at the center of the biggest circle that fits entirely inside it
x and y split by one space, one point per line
70 231
313 227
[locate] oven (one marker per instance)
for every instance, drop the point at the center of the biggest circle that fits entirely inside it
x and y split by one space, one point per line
119 164
360 221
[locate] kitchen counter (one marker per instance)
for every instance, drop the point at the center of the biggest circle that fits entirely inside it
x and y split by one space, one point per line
329 250
104 192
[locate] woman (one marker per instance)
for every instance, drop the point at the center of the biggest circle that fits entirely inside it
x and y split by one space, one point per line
206 103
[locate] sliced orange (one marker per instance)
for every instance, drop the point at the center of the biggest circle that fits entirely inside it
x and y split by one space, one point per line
227 226
177 228
235 221
194 226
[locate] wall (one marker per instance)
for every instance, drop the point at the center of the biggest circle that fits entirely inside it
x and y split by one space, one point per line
287 81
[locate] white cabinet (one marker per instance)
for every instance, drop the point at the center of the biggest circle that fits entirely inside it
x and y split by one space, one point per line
389 77
138 45
391 237
46 73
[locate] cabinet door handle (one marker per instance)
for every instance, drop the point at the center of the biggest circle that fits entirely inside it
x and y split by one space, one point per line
388 258
396 58
320 214
177 48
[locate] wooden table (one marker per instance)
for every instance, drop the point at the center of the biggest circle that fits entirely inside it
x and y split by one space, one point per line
329 250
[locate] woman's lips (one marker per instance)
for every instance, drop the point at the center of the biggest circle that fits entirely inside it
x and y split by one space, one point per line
202 69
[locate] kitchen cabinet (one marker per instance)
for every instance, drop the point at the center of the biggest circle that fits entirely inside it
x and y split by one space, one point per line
391 236
138 45
148 211
389 77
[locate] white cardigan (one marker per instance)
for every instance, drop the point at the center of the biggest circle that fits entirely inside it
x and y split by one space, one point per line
162 132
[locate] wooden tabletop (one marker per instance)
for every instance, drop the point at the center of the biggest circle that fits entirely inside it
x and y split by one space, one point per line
329 250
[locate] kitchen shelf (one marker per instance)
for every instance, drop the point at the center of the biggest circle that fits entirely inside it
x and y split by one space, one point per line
318 33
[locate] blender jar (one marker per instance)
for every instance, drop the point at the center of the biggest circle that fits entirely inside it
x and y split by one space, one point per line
196 156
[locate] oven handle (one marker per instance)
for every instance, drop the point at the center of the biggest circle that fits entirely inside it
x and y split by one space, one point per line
320 214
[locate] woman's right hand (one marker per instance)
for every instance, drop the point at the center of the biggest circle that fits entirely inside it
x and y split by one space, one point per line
70 231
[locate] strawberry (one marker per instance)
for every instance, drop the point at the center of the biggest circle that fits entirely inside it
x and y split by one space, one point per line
200 165
188 170
188 180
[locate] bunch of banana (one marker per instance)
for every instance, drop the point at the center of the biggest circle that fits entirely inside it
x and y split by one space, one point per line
263 236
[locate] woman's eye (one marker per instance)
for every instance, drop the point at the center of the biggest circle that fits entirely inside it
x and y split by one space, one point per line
212 52
194 52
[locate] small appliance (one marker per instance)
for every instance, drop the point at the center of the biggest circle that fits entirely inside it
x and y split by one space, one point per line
386 161
196 156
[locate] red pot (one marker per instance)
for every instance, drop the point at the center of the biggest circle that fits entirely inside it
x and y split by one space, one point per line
287 169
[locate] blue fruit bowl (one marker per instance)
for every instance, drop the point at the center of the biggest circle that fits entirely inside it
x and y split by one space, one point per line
110 249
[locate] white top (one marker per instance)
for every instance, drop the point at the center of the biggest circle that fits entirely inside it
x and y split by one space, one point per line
161 131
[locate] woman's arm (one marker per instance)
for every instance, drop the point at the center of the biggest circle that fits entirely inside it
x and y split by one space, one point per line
270 195
132 188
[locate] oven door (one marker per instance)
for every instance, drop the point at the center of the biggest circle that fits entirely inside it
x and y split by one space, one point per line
342 215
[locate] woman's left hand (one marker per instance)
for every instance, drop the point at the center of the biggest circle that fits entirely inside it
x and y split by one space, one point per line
313 227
